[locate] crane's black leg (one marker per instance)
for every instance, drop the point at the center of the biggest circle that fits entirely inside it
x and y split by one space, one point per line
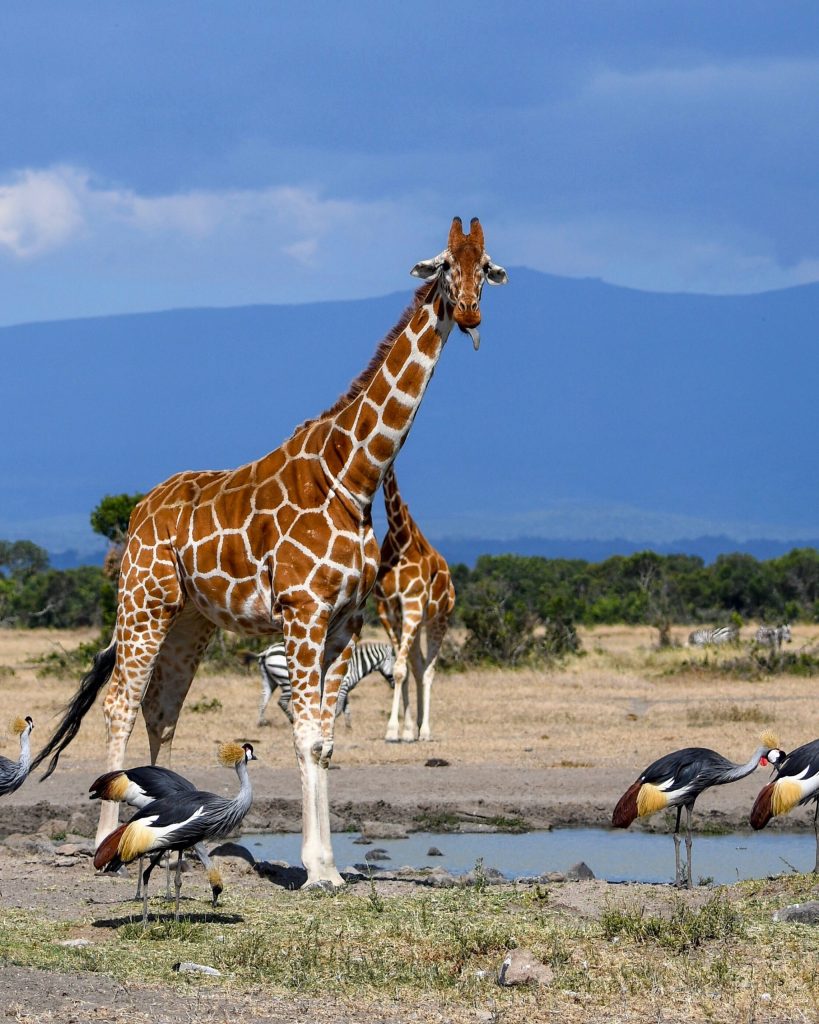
688 845
178 883
146 874
816 833
138 895
168 877
677 875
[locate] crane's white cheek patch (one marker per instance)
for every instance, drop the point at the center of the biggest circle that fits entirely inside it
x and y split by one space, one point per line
650 799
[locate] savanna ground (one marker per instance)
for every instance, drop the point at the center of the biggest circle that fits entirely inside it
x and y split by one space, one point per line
549 747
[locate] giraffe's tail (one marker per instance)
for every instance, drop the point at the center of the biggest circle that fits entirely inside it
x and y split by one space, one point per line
90 685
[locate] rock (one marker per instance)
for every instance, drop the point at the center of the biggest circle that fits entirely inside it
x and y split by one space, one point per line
350 874
82 849
436 762
362 841
469 827
433 851
377 854
800 913
383 830
187 967
54 827
488 876
580 872
522 967
549 876
76 943
36 843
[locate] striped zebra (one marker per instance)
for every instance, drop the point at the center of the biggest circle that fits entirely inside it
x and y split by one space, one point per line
773 636
366 658
713 636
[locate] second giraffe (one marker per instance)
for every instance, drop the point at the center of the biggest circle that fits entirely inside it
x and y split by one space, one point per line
414 590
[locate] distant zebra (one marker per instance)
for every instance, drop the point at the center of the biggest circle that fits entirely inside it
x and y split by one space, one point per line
773 636
366 658
713 636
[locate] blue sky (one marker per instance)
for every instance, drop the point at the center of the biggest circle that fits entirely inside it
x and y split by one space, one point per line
162 155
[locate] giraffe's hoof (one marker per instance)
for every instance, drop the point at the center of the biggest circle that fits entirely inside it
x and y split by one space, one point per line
324 885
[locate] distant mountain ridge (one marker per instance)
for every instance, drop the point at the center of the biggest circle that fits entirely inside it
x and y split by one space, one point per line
468 550
663 415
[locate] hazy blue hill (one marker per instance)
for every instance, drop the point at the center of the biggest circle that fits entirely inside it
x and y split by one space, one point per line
582 393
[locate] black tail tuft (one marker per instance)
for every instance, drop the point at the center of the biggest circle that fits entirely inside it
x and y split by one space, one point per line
247 657
90 685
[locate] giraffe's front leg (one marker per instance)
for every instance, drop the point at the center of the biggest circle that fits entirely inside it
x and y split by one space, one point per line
304 638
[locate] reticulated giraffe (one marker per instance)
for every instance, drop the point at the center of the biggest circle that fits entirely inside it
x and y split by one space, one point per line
282 544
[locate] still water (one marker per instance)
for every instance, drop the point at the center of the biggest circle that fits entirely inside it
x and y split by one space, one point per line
616 856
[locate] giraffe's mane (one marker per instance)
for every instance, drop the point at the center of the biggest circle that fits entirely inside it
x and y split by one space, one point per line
362 381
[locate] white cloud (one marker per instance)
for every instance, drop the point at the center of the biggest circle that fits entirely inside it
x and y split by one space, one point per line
40 211
655 255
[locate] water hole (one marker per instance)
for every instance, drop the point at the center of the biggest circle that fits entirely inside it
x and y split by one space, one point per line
612 855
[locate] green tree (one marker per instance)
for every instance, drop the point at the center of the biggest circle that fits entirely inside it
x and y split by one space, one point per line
110 518
22 558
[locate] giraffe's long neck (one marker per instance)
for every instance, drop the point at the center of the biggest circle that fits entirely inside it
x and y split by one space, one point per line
399 525
368 433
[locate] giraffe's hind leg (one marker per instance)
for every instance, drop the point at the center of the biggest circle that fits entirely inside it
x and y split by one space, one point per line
171 679
412 615
137 651
436 631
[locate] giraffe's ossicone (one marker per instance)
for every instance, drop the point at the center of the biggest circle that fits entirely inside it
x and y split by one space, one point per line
283 543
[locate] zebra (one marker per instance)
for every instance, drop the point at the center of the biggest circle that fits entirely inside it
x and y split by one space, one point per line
716 636
773 636
366 658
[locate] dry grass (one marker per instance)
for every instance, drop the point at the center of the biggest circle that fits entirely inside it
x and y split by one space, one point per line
624 699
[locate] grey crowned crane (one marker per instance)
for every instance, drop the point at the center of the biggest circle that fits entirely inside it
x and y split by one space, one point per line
139 787
14 773
797 783
176 823
677 779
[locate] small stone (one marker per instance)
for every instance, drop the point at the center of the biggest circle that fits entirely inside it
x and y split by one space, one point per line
488 876
377 854
187 967
362 841
83 849
580 872
801 913
75 943
383 830
433 851
522 967
436 762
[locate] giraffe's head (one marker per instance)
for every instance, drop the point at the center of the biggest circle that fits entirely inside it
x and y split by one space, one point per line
463 268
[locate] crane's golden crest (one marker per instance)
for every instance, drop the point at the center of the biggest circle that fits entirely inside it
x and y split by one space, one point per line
17 726
769 739
650 799
230 754
786 794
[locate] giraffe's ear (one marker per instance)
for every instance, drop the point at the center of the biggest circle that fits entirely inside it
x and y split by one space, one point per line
427 269
495 274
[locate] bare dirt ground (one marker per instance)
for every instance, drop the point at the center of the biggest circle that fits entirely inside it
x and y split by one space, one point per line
554 747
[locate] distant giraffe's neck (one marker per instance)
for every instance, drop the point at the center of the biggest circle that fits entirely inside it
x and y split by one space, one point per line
399 524
368 433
